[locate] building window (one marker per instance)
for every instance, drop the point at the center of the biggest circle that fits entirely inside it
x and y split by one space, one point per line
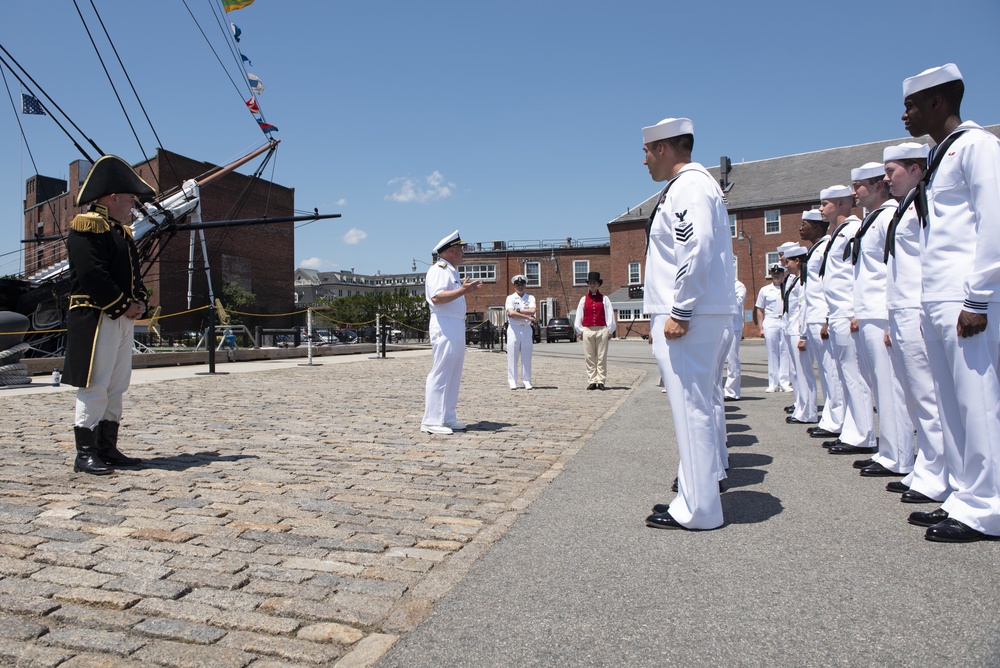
580 270
772 221
478 272
772 258
634 273
732 225
533 272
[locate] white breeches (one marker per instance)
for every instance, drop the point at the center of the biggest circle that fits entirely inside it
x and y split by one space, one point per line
110 374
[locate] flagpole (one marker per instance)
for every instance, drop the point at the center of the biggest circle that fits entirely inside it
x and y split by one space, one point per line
20 186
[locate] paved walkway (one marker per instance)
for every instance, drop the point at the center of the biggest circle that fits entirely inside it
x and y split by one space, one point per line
290 516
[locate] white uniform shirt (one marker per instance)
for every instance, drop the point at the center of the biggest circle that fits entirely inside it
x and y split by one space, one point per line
689 262
960 246
440 277
815 300
838 281
869 272
741 296
902 288
517 302
769 299
793 318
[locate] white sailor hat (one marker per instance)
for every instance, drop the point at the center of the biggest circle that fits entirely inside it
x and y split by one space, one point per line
813 216
910 150
835 192
795 251
520 278
869 170
453 239
930 78
785 246
667 128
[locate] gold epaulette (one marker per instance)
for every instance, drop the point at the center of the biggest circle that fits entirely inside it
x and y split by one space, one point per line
442 264
92 223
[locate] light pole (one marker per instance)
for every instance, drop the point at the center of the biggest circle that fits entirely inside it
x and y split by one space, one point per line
753 272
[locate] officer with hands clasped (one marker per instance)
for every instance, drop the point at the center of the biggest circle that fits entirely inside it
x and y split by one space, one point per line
520 317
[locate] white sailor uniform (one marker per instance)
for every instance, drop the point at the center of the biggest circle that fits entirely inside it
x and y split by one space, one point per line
819 351
689 277
805 398
734 369
960 270
447 336
838 288
895 430
519 340
769 300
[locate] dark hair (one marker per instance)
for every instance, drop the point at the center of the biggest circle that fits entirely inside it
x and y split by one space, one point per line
951 92
909 162
682 143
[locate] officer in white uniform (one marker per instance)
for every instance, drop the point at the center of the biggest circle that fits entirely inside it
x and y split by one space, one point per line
445 293
804 411
813 341
520 314
768 314
788 380
867 251
858 433
689 295
734 369
929 481
960 275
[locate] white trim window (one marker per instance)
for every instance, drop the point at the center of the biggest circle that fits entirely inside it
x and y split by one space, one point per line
732 225
771 258
634 273
580 270
486 273
533 272
772 221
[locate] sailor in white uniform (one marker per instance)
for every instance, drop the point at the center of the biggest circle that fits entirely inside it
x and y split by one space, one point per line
867 251
768 312
734 369
689 295
929 481
520 315
788 380
858 433
960 275
445 292
814 342
804 411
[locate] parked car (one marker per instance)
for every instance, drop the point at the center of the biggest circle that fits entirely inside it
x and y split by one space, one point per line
536 332
481 332
560 328
345 335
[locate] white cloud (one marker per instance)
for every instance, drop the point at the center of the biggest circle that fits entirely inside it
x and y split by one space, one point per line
342 201
432 188
354 236
318 264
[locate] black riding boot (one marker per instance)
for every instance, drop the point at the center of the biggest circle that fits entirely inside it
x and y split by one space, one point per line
87 459
107 445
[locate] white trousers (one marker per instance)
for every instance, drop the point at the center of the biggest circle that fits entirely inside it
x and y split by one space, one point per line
819 351
777 358
913 369
447 337
803 381
109 376
895 431
968 398
719 404
734 369
859 427
595 353
689 367
519 345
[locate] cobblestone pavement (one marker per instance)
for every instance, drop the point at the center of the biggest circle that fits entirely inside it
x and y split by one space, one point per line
290 517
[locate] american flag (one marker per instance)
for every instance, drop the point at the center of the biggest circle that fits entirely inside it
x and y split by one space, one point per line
31 105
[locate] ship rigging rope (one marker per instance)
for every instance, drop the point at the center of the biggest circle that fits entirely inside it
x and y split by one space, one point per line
212 48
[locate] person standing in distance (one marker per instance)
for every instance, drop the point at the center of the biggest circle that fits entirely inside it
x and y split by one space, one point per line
106 296
520 315
768 314
445 292
734 370
689 294
595 321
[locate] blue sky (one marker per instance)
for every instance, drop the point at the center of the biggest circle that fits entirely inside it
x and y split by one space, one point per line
506 120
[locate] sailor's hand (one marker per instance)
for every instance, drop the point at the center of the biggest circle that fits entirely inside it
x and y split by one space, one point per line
970 324
675 329
134 310
469 285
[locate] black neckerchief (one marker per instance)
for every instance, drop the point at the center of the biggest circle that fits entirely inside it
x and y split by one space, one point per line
826 253
890 231
937 154
805 263
785 294
853 248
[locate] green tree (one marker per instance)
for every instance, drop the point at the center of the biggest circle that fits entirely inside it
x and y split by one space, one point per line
235 298
403 308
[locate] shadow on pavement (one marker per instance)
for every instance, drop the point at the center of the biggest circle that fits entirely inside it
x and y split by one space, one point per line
747 507
190 460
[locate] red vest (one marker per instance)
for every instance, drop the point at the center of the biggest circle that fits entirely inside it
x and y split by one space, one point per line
593 311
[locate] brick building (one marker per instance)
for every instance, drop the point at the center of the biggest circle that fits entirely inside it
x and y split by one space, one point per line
259 258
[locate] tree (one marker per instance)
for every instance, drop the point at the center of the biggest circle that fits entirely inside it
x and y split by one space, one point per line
356 310
235 298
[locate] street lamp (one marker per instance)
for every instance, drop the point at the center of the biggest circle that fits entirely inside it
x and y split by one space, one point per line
743 236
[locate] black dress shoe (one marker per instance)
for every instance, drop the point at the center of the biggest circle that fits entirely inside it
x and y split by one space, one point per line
790 409
791 419
600 386
923 519
592 386
861 463
830 444
876 470
664 521
817 432
910 496
950 531
660 508
730 398
845 449
896 487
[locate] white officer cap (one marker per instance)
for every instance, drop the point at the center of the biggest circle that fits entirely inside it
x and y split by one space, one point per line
835 192
519 278
869 170
775 269
812 215
453 239
785 246
930 78
910 150
667 128
795 251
